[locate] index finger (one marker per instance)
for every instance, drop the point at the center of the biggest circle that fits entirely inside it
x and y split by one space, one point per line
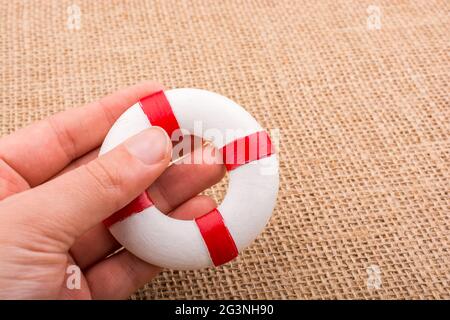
41 150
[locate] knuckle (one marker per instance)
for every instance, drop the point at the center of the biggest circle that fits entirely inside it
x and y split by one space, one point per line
129 267
106 179
64 137
160 193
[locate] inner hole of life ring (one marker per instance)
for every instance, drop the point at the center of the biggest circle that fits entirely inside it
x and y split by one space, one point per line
201 163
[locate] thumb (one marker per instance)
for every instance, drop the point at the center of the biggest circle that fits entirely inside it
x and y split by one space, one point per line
76 201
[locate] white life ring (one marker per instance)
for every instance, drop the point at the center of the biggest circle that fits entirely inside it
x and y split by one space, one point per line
216 237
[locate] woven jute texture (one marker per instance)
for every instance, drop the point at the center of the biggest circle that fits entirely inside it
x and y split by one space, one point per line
359 91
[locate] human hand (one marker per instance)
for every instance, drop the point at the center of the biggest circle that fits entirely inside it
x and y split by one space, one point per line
55 193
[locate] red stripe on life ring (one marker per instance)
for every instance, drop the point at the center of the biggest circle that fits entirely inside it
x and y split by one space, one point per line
137 205
247 149
217 238
159 112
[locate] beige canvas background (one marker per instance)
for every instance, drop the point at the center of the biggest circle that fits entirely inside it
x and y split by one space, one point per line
364 117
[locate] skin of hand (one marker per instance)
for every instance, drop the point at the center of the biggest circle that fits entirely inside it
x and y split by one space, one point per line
55 192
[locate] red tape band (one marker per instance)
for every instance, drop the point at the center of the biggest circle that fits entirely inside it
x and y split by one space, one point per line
247 149
137 205
159 112
217 238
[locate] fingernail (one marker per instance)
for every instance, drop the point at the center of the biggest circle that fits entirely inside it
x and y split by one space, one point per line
150 146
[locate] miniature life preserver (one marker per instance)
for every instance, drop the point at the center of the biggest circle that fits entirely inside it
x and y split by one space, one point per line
216 237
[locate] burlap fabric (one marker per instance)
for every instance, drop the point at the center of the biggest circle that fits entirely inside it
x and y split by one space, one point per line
361 98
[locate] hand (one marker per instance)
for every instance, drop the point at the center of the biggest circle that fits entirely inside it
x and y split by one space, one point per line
55 192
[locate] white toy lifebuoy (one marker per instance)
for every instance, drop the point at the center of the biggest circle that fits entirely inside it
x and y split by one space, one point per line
216 237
